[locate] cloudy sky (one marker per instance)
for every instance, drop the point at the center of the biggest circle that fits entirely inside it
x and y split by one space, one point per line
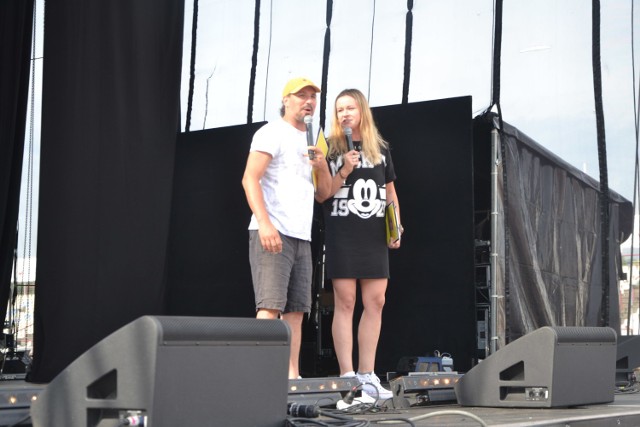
546 72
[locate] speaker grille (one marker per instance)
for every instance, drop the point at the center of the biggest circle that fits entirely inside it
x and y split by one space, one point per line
584 334
212 330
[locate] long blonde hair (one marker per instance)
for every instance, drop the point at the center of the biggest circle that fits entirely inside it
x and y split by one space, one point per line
372 141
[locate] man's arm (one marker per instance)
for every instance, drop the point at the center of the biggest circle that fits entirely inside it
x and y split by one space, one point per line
257 163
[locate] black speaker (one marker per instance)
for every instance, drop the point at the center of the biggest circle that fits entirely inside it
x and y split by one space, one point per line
627 359
549 367
175 371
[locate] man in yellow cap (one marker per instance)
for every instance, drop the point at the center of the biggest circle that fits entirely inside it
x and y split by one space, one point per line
278 185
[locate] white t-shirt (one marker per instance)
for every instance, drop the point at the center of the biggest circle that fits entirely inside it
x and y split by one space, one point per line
287 185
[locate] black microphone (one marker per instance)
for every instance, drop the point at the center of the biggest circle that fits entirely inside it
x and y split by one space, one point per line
347 134
302 411
308 121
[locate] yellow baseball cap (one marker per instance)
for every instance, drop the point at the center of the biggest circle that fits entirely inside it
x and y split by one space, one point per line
294 85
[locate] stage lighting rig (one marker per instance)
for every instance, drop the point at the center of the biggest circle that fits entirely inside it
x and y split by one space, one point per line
320 391
428 387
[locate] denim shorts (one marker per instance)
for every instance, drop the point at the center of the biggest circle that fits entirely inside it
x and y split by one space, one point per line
281 281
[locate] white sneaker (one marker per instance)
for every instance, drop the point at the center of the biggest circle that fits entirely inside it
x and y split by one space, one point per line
372 387
349 374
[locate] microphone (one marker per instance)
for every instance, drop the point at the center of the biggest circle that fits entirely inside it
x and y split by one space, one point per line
298 410
350 395
347 134
308 121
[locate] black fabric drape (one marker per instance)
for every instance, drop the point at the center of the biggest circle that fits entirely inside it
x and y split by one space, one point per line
554 256
16 28
111 84
602 162
326 55
407 52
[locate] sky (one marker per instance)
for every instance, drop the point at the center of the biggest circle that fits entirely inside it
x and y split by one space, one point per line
546 65
546 87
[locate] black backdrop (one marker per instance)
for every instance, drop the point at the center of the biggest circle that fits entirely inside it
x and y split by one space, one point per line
16 18
430 301
111 88
209 272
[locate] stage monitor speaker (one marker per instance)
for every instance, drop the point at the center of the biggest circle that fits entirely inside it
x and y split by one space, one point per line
549 367
627 359
175 371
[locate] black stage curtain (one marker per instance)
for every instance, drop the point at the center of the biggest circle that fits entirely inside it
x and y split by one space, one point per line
16 28
430 301
209 272
111 89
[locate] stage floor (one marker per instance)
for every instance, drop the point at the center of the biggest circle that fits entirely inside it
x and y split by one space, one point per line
15 398
624 411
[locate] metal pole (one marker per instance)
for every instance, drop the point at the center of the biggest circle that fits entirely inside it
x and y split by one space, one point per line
493 259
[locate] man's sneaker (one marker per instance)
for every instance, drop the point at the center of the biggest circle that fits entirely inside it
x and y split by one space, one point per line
372 387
